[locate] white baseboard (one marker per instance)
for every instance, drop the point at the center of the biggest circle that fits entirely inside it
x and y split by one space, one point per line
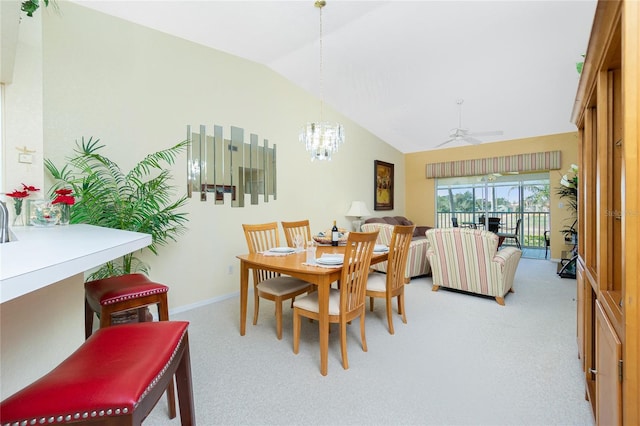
186 308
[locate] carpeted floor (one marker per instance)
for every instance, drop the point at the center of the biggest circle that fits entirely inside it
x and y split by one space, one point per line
460 360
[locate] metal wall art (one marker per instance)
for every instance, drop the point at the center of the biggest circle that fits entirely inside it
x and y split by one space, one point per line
230 166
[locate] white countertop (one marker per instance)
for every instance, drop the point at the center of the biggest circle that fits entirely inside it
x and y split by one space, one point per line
43 256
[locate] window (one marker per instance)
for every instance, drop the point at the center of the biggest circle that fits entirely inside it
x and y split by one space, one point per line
509 197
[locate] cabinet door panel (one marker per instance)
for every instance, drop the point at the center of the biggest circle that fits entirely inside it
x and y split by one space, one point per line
580 311
608 385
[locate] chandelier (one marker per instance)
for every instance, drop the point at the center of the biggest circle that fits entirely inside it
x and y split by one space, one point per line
321 139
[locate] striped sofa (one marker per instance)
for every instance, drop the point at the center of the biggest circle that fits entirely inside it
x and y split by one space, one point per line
417 263
469 260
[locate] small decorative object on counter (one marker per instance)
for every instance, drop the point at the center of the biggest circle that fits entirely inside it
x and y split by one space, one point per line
18 198
43 213
64 200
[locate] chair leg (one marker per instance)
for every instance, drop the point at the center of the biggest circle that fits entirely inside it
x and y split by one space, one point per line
256 306
279 318
343 344
363 337
296 331
500 300
371 304
163 315
401 307
88 319
185 389
389 314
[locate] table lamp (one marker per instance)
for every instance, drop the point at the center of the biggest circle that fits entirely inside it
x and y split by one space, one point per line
357 210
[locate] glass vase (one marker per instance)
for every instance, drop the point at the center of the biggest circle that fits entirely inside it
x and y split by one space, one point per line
65 214
18 218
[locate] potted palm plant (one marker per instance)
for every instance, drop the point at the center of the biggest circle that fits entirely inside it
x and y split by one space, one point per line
141 200
568 190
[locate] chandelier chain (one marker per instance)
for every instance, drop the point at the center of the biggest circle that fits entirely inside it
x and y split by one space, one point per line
321 70
322 139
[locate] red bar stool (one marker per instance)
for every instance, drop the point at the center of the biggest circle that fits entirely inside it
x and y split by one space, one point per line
108 296
115 377
122 293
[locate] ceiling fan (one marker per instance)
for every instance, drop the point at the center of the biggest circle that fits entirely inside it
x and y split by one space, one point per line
462 134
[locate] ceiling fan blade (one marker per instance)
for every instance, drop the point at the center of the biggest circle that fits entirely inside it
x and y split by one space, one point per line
445 142
489 133
473 141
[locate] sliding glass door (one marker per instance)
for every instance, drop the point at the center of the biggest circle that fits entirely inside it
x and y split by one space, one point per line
508 197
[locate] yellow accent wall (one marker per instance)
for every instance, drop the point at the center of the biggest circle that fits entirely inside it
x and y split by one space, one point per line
420 191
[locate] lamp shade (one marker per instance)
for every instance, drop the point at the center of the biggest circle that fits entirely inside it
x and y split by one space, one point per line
358 209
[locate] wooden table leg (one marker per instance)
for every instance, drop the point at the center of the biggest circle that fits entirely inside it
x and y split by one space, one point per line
244 287
323 305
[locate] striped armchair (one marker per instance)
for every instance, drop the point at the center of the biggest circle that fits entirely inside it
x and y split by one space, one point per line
417 263
469 260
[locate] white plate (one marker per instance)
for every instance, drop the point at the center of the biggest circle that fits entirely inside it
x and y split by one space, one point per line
380 248
329 261
282 250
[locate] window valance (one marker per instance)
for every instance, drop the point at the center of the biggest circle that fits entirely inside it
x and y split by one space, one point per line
531 162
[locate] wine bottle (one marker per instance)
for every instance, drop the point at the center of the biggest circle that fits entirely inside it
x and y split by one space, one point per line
334 234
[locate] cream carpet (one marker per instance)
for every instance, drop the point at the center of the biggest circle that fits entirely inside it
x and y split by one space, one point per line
460 360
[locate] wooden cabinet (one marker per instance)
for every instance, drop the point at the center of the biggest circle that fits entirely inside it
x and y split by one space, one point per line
606 112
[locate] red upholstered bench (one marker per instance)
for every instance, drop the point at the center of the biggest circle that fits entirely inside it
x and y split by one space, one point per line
115 377
120 293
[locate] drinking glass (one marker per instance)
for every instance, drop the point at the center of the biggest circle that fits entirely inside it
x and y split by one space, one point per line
311 252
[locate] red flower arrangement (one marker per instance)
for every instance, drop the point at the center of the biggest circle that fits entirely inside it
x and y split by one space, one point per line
18 196
30 188
64 197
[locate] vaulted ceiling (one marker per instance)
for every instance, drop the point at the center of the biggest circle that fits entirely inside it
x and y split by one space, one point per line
398 67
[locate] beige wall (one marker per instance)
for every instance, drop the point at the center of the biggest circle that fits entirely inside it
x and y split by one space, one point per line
420 191
22 103
136 89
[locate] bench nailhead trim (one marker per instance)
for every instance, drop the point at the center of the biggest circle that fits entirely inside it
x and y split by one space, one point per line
136 296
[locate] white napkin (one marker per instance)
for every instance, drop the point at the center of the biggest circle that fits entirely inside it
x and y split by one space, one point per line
323 266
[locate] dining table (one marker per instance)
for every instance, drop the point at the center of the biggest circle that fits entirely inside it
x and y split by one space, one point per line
295 265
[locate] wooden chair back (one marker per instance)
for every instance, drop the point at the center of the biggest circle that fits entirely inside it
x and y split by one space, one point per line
291 229
353 281
398 252
262 237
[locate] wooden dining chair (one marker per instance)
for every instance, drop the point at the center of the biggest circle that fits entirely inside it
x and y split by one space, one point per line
291 229
271 285
346 303
390 285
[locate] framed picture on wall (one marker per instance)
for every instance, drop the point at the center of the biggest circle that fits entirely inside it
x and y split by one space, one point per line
383 181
